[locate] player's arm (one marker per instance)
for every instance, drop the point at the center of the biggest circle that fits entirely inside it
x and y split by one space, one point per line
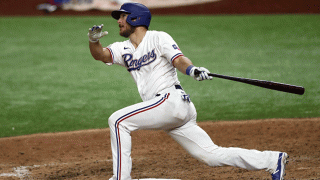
98 53
184 65
96 49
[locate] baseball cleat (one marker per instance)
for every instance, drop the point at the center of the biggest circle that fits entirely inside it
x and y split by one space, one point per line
279 173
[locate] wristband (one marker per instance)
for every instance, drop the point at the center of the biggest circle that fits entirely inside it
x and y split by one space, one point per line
189 69
93 41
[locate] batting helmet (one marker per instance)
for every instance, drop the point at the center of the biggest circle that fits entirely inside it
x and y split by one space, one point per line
139 14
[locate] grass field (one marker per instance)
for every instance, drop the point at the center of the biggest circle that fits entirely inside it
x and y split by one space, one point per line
49 81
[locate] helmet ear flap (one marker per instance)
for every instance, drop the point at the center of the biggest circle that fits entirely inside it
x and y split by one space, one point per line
139 20
132 18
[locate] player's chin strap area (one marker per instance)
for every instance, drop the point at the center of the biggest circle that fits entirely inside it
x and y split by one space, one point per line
184 96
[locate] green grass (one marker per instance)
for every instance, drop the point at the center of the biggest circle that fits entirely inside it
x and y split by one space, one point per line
49 82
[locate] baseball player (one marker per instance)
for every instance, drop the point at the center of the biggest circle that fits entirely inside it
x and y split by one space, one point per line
152 58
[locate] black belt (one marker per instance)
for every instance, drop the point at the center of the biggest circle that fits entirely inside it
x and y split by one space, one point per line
176 86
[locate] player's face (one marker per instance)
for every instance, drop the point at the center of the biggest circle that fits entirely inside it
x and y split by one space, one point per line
125 29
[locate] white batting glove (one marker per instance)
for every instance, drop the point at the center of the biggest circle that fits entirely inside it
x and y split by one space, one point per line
199 73
95 33
185 97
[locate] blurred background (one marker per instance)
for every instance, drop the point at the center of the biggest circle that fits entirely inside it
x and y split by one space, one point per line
98 7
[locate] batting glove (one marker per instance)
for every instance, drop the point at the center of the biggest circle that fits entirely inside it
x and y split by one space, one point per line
186 97
198 73
95 33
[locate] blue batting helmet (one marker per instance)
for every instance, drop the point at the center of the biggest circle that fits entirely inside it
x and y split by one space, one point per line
139 14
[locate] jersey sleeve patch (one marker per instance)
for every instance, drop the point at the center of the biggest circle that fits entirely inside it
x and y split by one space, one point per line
175 47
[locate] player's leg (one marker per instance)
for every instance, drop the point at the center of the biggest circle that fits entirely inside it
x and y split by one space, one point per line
163 112
198 143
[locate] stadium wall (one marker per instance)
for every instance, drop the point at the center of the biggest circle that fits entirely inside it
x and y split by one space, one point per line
28 8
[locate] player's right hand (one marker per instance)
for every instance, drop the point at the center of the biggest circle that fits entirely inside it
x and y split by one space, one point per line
200 73
95 33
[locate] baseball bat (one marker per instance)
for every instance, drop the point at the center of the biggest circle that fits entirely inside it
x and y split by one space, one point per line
262 83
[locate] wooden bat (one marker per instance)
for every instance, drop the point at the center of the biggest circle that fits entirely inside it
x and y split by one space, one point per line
262 83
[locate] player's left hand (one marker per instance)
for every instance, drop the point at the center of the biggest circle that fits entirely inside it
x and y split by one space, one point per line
95 33
203 75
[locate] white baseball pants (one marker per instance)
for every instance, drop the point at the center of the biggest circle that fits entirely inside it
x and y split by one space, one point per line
177 117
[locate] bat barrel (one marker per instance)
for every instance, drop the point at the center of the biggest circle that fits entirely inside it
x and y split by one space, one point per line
265 84
280 87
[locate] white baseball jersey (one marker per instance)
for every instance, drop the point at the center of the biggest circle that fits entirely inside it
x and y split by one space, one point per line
150 64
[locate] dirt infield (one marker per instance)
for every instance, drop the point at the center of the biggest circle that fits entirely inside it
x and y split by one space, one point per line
87 154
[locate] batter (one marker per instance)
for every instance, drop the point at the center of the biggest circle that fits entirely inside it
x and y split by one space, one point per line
152 58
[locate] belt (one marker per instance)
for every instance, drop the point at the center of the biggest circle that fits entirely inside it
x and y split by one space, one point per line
176 86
